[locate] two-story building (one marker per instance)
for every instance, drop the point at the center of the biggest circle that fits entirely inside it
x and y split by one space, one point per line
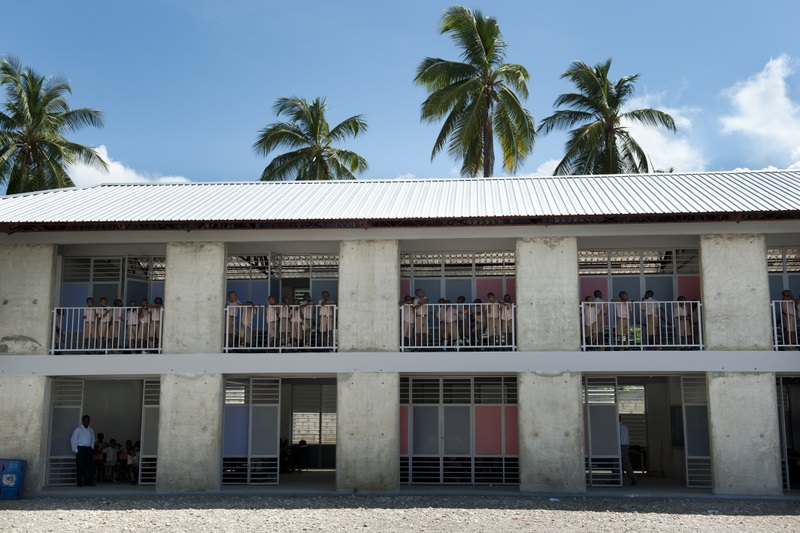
148 307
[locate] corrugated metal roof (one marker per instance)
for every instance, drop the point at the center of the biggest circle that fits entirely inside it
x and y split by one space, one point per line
571 196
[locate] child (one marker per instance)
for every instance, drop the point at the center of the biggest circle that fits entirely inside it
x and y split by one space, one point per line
156 313
116 325
326 311
246 315
493 318
623 309
285 319
421 317
682 316
272 311
104 316
407 309
132 325
144 325
507 318
590 312
90 318
232 311
297 323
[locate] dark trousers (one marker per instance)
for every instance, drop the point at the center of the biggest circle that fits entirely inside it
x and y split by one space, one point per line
84 468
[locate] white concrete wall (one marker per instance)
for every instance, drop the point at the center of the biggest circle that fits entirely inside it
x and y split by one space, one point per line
551 442
548 294
194 298
23 411
368 432
369 288
743 427
27 278
190 433
735 292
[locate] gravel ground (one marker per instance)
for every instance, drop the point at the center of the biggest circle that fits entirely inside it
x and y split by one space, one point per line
395 513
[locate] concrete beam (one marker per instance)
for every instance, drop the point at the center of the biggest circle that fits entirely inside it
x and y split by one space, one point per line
368 432
735 292
194 298
551 442
26 298
743 427
548 294
190 433
24 410
369 286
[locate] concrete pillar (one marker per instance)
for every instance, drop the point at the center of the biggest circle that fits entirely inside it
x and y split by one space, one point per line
551 442
369 284
27 280
744 435
194 298
368 432
23 410
190 433
735 292
548 294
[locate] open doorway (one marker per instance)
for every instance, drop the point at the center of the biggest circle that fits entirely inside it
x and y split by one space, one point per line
120 409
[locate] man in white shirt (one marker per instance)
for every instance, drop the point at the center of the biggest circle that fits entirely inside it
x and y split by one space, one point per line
82 443
652 312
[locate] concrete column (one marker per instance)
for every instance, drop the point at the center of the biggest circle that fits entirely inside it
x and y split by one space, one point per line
743 428
548 294
369 284
368 432
194 298
27 280
190 433
23 410
735 292
551 442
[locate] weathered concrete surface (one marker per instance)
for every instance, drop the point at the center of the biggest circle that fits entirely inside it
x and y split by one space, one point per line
548 294
369 282
23 411
194 298
368 431
551 442
26 298
190 433
735 292
743 428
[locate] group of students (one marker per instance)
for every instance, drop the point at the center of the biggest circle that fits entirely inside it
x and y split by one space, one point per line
596 320
460 324
121 462
288 324
118 328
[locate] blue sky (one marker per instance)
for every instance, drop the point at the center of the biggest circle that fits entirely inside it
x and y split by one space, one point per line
186 85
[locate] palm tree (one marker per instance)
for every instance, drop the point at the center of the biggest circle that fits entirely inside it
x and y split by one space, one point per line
309 137
478 96
34 154
601 144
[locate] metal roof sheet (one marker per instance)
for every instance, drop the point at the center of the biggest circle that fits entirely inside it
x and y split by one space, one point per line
569 196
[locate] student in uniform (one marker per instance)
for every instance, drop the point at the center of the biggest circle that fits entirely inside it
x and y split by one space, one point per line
116 325
132 325
464 320
421 318
326 311
297 323
144 325
232 311
104 323
285 321
652 312
407 307
507 318
156 314
246 316
479 321
623 310
590 328
90 318
307 312
272 314
683 320
493 318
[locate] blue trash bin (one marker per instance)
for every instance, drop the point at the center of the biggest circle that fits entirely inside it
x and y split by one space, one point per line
12 473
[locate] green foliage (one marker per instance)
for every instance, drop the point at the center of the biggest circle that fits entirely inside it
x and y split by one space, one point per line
599 143
308 137
34 154
478 98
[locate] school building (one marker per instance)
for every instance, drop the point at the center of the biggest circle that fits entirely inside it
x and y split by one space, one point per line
706 375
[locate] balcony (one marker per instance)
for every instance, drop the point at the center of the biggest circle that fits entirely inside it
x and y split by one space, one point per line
281 328
784 321
105 330
458 327
675 325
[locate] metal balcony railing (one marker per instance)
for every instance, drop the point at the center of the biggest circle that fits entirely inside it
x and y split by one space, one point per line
647 325
784 322
281 328
458 327
106 330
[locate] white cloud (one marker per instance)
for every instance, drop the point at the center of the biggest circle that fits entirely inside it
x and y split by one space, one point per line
764 113
679 151
406 176
545 169
86 176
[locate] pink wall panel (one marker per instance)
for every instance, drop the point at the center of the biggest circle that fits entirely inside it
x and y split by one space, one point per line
403 430
405 288
689 286
488 430
512 430
589 285
483 286
511 288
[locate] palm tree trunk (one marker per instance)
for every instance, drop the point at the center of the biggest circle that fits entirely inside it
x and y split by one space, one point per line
488 144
